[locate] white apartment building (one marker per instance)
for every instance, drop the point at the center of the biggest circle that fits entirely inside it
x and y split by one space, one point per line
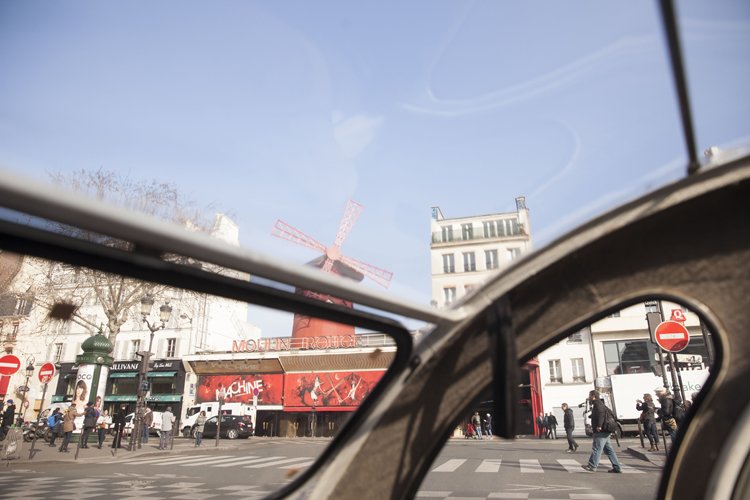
466 251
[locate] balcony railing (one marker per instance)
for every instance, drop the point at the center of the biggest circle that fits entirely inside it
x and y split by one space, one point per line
438 237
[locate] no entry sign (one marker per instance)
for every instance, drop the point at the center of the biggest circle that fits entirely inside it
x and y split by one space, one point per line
46 372
672 336
9 364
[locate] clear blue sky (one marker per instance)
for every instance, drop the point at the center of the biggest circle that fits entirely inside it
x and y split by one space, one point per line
287 109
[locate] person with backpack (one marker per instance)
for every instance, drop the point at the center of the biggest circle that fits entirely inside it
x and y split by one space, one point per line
603 423
54 422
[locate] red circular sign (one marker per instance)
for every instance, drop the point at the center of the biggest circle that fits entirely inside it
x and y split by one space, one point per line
672 336
9 364
46 372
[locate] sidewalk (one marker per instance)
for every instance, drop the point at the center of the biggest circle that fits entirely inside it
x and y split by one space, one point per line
45 453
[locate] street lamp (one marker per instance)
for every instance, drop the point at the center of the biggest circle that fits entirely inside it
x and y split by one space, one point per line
29 374
165 312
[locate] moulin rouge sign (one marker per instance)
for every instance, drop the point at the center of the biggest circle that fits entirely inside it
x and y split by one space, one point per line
289 343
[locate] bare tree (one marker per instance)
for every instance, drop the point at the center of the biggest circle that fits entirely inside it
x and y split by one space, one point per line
69 293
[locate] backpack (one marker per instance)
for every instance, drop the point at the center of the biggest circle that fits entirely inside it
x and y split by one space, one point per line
610 422
51 421
678 412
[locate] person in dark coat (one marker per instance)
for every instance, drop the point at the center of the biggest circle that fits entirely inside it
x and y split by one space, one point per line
666 411
119 421
541 422
90 415
552 425
648 419
55 429
569 424
9 416
600 426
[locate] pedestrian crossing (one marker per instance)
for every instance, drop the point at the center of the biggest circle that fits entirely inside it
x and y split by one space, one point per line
525 465
481 466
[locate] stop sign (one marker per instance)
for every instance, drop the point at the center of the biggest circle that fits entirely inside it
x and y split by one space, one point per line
672 336
9 364
46 372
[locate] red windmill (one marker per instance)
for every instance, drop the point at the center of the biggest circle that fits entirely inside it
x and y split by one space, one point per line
332 261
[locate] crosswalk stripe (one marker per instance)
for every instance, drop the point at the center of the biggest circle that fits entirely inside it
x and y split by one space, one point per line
161 459
626 469
216 461
530 465
450 466
591 496
572 466
249 460
489 465
188 463
297 466
276 462
508 495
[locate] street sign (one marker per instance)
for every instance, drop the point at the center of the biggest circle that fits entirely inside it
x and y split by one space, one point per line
9 364
672 336
689 358
22 388
678 315
46 372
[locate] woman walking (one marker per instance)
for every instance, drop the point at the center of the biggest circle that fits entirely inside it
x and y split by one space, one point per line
200 422
68 427
102 424
648 418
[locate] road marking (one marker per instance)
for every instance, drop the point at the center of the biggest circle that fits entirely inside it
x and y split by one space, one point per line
247 460
530 465
508 495
184 460
141 460
215 462
450 466
277 462
298 466
591 496
572 466
425 493
626 469
489 465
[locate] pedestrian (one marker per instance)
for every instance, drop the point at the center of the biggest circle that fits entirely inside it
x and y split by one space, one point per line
167 419
569 425
54 422
68 426
148 423
119 421
552 424
488 422
200 422
469 431
666 411
648 419
89 423
541 423
477 422
102 424
9 415
603 424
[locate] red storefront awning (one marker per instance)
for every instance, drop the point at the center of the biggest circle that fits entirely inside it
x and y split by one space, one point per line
306 409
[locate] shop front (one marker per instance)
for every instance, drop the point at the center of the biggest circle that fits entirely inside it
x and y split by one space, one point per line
166 383
66 382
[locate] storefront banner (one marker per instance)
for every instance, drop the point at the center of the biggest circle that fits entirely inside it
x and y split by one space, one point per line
241 388
82 392
328 389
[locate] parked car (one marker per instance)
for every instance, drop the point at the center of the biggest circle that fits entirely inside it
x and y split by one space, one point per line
232 427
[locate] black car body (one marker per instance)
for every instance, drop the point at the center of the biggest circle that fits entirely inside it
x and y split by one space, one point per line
232 427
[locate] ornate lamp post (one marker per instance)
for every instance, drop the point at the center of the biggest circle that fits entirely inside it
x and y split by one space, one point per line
29 374
165 312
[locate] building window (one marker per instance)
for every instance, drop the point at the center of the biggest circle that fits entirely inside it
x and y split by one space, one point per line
555 373
447 233
449 265
449 293
171 345
58 353
615 314
513 253
651 306
631 356
467 231
135 346
490 229
579 375
507 227
490 259
575 338
470 263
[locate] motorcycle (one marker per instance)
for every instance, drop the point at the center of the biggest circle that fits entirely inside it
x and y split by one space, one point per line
39 429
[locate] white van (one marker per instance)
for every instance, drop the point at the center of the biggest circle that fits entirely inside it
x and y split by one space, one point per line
156 429
212 408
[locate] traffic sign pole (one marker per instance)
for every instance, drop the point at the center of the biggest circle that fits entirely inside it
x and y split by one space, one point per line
33 443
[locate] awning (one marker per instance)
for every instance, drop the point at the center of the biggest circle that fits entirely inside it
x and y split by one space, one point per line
120 397
308 409
161 374
123 375
165 398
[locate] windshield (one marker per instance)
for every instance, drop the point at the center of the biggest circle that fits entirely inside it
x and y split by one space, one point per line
411 148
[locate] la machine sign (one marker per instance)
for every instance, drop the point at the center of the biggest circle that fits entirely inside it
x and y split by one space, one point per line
672 336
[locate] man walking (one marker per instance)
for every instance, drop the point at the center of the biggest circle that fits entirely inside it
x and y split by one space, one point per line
119 421
148 422
167 420
541 422
552 424
569 424
488 425
602 425
476 421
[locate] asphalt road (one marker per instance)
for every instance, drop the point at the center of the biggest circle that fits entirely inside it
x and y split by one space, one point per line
251 468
